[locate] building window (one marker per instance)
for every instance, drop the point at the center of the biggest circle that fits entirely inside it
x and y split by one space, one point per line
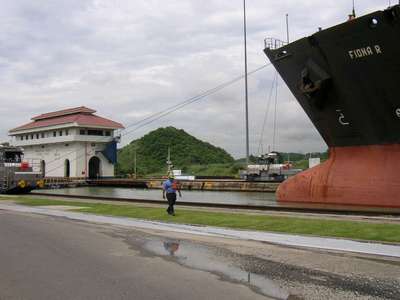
60 133
54 133
26 137
95 132
37 135
82 132
22 137
108 133
42 135
66 132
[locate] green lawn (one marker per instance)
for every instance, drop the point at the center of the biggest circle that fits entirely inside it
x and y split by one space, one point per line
320 227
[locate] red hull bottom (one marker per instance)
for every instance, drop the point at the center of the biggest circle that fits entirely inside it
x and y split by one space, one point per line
362 175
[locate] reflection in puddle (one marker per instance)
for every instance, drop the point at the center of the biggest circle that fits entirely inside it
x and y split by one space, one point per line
171 247
203 258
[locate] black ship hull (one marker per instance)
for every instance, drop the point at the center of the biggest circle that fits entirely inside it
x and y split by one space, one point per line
347 78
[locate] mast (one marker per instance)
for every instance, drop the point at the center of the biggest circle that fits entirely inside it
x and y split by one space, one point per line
352 16
287 28
245 82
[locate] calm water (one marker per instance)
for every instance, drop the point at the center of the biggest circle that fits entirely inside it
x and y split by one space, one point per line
252 198
243 198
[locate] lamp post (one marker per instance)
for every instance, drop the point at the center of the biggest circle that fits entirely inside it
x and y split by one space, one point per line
245 82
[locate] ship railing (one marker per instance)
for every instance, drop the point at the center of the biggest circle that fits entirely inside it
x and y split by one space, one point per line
273 43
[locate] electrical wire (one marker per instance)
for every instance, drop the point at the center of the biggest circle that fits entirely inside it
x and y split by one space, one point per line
156 116
62 165
63 155
261 144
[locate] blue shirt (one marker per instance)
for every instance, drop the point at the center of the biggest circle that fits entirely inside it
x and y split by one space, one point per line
168 186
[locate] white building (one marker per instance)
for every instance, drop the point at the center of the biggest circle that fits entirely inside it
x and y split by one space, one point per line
70 143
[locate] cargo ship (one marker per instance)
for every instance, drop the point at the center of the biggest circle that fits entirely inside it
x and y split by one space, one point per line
347 80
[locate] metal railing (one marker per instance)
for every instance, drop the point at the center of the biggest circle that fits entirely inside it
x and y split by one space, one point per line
34 163
54 181
30 165
272 43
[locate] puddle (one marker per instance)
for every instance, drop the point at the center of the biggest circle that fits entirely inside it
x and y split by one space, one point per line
202 258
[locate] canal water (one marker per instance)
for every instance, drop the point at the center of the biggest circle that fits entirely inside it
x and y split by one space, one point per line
242 198
220 197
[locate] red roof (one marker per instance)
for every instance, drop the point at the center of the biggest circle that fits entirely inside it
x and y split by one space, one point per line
64 112
82 116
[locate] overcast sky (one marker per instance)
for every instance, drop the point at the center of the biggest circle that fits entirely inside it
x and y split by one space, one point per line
130 59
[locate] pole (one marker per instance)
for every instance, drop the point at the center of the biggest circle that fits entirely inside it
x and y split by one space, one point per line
245 82
276 104
86 162
169 162
287 28
134 159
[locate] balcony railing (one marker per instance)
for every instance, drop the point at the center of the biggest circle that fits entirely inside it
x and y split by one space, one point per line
272 43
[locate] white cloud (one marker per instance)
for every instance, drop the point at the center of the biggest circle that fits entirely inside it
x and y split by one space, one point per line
128 59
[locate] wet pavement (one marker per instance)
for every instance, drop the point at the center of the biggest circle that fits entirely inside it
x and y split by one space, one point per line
277 280
71 259
45 258
206 259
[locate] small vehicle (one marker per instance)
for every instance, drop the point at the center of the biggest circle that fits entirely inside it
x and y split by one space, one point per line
16 174
269 169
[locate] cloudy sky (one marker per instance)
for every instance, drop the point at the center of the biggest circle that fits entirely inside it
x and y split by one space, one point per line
131 59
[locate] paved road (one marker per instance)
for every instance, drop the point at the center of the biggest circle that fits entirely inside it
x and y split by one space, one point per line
52 257
47 258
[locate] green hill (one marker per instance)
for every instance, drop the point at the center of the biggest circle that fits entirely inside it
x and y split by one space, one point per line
152 151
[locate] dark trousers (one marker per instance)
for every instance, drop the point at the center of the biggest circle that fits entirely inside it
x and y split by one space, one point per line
171 197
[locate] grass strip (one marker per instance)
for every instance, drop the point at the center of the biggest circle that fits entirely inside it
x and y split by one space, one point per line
293 225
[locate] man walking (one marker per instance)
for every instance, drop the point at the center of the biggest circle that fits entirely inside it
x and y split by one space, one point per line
170 187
